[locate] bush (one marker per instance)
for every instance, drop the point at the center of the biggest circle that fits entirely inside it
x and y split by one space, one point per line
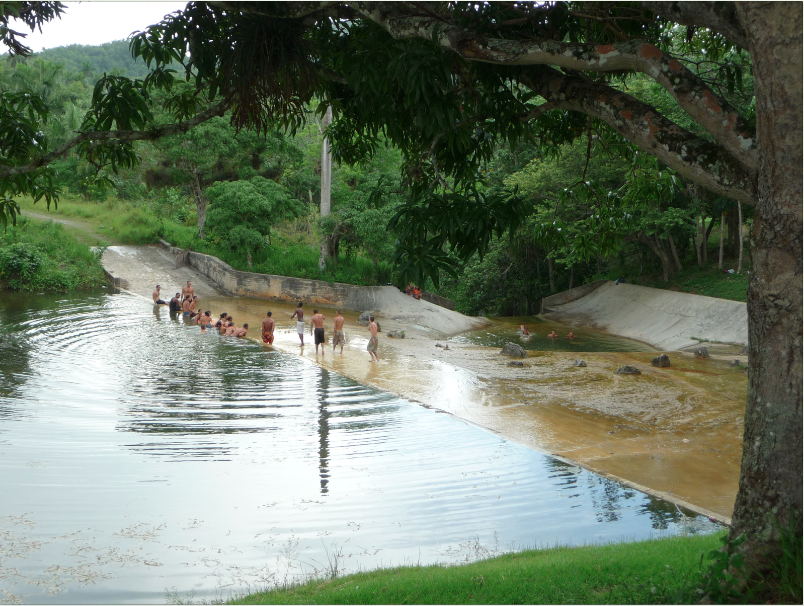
20 260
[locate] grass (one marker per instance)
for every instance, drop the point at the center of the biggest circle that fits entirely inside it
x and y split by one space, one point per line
655 571
294 250
41 256
709 281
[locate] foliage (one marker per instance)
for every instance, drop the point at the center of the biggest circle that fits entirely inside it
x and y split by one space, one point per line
41 256
721 581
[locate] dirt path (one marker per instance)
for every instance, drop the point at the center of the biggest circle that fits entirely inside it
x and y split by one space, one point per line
84 231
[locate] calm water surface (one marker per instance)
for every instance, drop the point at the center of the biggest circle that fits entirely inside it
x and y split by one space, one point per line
138 456
505 330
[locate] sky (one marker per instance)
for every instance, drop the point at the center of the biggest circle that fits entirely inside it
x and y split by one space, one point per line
96 22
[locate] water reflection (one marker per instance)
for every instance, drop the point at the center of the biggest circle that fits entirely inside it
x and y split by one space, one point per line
205 459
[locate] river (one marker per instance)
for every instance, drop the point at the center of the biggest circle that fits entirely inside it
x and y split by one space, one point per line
141 458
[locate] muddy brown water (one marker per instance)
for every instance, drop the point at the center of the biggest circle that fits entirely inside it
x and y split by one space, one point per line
141 460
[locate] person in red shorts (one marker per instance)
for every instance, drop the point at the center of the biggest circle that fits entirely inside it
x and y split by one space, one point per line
268 325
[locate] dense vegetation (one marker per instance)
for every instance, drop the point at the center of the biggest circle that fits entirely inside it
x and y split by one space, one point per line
39 257
590 208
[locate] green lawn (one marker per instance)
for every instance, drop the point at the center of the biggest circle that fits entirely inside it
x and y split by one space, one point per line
625 573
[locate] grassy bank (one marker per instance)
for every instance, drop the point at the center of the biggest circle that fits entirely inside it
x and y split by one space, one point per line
649 572
293 251
40 256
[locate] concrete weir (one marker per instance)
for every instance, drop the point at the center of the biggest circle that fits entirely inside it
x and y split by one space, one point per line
664 319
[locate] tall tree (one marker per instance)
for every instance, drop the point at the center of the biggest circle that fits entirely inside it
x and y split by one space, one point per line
444 82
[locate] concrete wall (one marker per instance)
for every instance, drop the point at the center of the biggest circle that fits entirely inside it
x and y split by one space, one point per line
436 300
573 294
283 288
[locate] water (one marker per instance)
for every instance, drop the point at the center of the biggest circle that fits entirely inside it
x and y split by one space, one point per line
138 456
505 330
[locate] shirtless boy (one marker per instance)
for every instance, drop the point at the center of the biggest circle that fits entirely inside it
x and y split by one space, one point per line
299 315
185 307
372 344
317 325
187 291
240 332
157 300
337 336
268 325
231 329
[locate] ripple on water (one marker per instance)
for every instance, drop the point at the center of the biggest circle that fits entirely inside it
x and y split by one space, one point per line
142 455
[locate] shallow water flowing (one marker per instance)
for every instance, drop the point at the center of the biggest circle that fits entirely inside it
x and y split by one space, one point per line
139 456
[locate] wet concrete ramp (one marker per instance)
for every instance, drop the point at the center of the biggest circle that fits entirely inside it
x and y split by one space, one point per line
664 319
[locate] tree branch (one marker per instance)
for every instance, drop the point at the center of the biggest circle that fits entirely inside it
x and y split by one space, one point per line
720 17
712 112
697 159
121 136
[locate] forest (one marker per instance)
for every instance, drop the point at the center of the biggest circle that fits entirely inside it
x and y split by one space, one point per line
562 213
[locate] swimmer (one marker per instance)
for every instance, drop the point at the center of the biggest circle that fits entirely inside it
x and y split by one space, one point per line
299 315
185 307
524 330
193 303
338 336
230 329
175 303
157 299
552 335
203 329
317 323
571 335
240 332
268 325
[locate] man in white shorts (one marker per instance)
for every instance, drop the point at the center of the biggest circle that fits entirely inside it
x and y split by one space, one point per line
299 315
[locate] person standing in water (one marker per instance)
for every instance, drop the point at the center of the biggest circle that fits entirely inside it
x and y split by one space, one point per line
299 315
188 291
317 324
373 341
175 303
268 325
338 336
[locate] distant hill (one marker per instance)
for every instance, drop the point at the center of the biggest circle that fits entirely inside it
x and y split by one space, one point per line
111 57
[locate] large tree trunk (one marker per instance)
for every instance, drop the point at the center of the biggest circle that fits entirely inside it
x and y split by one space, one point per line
658 248
771 476
326 186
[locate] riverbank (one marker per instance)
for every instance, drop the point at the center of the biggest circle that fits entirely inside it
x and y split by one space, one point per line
659 571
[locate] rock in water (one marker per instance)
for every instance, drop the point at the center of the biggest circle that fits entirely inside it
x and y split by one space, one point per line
516 363
364 318
661 361
627 370
701 352
512 349
397 334
579 362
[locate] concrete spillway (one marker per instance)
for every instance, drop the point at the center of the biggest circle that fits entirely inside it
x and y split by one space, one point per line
664 319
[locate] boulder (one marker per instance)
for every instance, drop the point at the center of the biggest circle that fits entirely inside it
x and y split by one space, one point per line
516 363
364 318
627 370
743 351
512 349
701 352
397 334
579 362
735 363
661 361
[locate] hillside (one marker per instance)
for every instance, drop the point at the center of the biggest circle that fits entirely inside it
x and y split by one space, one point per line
111 57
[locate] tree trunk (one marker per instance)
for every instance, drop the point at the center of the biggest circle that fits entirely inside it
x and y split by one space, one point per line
655 244
720 255
704 241
550 274
200 203
771 476
572 275
673 250
326 185
740 237
248 259
697 241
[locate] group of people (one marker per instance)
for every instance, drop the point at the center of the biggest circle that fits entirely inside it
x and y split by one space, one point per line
317 330
186 302
413 291
524 332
